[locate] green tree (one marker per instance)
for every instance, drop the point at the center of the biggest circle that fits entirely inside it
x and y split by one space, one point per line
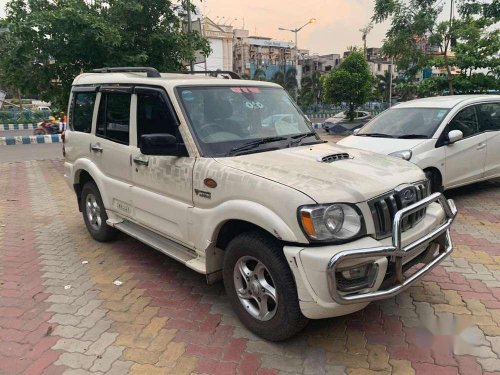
50 42
383 84
259 75
351 83
310 89
472 37
288 80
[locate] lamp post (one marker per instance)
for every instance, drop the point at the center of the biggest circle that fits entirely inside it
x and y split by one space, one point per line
296 31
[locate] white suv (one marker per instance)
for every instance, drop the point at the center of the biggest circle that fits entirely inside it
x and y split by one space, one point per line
296 227
454 139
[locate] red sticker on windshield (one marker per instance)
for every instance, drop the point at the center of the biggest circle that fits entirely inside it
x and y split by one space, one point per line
240 90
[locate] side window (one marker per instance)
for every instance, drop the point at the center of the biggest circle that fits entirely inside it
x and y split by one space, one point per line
489 116
113 119
465 121
154 116
83 109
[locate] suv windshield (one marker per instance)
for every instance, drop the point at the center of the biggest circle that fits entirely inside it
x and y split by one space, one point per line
405 123
231 120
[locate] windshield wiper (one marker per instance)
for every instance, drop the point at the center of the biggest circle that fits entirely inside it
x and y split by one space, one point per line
254 144
296 139
410 136
379 135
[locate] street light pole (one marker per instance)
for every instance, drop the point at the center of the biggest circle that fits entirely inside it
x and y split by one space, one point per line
390 82
296 31
190 30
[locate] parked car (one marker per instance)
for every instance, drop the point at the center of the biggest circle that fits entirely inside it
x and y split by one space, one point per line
454 139
341 124
296 227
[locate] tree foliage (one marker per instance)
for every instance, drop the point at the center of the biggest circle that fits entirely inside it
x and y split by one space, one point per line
288 80
50 42
473 36
350 83
311 89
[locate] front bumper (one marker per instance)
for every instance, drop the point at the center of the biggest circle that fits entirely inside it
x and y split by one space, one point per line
397 252
315 268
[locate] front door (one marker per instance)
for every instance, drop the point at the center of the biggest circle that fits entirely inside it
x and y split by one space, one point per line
465 158
162 191
110 148
489 123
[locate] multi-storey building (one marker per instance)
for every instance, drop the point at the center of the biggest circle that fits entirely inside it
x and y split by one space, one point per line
319 63
220 38
255 52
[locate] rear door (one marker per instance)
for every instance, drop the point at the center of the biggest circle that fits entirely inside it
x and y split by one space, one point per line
163 185
111 150
489 123
465 158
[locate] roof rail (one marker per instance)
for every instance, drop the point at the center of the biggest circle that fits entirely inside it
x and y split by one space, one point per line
151 72
231 74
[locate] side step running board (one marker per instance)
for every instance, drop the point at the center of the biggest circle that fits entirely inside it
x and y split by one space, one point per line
168 247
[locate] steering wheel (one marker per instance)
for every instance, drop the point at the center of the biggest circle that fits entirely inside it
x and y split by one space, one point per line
204 130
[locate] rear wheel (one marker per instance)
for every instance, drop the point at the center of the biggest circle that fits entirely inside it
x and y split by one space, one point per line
39 132
261 287
94 214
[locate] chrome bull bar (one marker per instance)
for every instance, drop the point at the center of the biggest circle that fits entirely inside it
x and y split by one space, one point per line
396 251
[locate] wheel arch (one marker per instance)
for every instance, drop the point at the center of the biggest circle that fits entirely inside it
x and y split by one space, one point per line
439 175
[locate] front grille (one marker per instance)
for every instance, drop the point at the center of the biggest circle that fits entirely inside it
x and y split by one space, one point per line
334 157
384 208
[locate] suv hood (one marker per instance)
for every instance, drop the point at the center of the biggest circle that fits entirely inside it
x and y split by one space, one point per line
380 145
363 176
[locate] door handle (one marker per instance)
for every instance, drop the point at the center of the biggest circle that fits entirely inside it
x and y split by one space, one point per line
481 146
139 161
96 148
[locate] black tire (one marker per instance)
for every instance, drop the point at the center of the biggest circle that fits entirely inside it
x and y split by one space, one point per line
435 181
288 319
103 232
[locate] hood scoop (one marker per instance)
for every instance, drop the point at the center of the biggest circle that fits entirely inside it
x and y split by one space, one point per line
333 157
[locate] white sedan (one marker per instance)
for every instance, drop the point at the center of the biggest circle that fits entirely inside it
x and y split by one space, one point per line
454 139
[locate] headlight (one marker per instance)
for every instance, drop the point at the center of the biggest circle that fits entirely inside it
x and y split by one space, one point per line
404 154
330 222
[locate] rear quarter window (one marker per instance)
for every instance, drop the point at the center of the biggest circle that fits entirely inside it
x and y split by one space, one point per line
83 110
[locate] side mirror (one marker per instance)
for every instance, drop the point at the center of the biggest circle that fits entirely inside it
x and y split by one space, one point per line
455 135
161 144
356 131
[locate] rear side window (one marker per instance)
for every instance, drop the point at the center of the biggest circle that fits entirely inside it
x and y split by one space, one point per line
113 119
83 109
489 116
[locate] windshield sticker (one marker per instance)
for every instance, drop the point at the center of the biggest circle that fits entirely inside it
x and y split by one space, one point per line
239 90
187 96
254 105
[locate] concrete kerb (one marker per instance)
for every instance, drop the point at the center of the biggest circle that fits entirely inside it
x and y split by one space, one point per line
30 126
30 140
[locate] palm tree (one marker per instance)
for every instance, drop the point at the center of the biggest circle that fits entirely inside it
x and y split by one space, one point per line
287 80
310 92
383 83
259 75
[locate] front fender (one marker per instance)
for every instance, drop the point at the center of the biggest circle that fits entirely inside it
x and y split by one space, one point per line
207 222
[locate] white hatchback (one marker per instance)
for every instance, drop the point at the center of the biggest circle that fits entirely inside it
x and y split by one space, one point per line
454 139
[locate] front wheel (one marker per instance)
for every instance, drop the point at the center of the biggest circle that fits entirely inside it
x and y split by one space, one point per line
261 287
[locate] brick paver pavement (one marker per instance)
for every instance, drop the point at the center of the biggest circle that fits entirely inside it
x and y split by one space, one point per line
61 313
